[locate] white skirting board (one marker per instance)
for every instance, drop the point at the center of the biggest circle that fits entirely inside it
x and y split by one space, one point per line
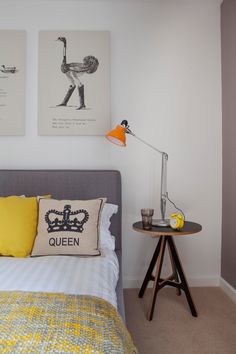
195 282
228 289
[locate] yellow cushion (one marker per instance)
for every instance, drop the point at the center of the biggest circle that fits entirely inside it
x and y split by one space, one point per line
18 225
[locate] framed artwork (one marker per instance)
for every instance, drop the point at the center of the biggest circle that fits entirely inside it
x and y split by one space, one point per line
74 83
12 82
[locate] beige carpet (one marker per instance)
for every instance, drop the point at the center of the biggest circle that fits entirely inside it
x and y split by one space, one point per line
173 330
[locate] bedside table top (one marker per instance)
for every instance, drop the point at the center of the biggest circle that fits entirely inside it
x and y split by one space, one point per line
156 231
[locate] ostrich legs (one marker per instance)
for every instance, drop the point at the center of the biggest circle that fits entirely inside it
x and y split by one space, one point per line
75 70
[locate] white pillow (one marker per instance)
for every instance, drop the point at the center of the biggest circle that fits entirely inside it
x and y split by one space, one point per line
106 240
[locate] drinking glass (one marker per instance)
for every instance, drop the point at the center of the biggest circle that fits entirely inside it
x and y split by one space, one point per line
147 215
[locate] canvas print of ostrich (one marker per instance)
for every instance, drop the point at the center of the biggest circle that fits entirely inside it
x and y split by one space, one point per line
12 82
74 82
74 71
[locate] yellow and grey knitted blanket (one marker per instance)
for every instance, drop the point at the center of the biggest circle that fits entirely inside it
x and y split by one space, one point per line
58 323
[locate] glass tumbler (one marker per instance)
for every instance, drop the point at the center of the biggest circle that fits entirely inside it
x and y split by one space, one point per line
147 215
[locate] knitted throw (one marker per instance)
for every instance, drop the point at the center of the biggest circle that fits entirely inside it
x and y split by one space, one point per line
33 322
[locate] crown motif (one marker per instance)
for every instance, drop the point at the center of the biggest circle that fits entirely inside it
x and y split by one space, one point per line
66 222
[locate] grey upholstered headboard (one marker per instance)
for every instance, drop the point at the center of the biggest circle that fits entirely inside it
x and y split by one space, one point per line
67 184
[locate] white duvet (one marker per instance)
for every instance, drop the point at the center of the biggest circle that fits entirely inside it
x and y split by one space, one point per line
95 276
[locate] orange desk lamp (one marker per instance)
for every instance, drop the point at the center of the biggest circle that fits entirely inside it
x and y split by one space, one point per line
118 137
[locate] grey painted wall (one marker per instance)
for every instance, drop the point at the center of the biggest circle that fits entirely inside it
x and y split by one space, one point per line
228 37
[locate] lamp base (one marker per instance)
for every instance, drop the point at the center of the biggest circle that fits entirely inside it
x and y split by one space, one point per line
161 222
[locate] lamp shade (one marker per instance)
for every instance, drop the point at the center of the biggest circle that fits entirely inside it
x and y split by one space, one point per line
117 136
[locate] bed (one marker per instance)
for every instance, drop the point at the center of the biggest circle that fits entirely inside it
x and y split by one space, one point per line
65 184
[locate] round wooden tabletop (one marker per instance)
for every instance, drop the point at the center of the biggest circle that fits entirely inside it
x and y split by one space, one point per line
156 231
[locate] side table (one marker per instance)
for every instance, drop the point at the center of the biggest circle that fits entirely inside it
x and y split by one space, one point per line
177 279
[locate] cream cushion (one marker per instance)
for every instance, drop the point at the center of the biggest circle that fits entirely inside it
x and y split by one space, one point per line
68 227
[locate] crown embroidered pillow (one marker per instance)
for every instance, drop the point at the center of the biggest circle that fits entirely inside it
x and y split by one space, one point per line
68 227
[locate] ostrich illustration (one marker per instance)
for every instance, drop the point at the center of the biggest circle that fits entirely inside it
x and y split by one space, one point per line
75 70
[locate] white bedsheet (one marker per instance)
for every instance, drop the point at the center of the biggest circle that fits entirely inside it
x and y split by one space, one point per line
95 276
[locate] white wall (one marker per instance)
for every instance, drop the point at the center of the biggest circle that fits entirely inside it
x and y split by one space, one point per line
165 79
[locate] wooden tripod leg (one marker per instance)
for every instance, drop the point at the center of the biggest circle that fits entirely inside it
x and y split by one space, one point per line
175 273
148 275
182 276
157 276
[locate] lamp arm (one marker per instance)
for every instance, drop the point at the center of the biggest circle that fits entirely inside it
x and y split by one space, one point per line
163 197
146 143
125 124
163 185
